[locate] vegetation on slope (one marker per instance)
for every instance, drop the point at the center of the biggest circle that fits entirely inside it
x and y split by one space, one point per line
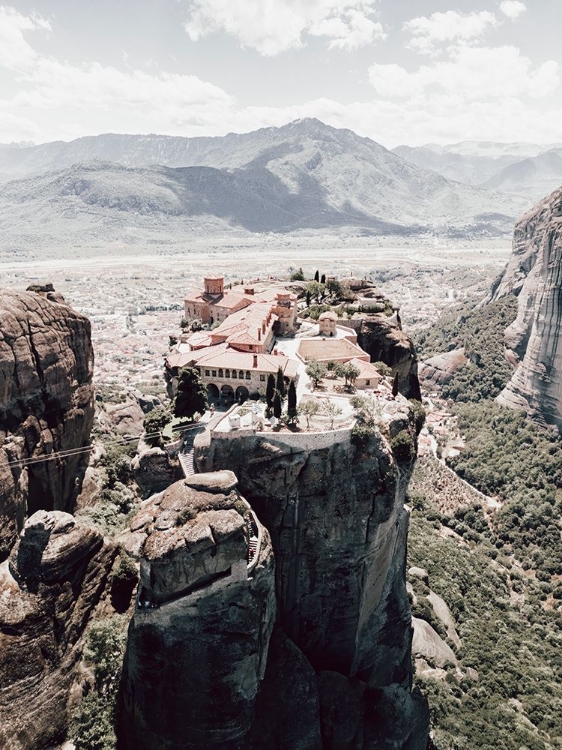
498 570
480 332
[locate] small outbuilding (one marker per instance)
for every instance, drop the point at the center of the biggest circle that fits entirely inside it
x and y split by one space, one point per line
327 323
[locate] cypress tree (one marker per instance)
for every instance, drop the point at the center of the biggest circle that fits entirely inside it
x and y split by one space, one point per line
270 390
317 276
323 278
292 402
281 390
277 405
395 386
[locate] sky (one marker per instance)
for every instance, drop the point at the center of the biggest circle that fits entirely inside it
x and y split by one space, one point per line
398 71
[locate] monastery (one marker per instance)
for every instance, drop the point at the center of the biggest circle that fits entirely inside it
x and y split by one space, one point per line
236 350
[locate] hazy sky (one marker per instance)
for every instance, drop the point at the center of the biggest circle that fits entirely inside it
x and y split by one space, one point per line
398 71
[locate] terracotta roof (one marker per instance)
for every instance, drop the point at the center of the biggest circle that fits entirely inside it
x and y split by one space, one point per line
234 360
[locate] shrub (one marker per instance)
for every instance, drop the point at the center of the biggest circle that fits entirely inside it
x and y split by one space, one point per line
402 446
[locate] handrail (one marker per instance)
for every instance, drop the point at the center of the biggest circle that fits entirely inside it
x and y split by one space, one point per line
252 564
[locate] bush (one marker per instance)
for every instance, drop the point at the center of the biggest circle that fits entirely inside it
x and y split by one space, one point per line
402 446
93 721
154 422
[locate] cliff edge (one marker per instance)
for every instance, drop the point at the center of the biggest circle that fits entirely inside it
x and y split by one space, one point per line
46 405
533 342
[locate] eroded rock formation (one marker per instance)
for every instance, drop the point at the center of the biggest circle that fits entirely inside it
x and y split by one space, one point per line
199 639
384 340
533 341
334 507
46 405
49 586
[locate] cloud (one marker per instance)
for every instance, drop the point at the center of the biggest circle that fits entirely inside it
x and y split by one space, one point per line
512 8
429 34
473 74
15 52
274 26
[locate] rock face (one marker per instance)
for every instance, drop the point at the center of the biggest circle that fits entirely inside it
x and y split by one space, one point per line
438 370
383 339
46 405
49 586
335 510
533 342
199 639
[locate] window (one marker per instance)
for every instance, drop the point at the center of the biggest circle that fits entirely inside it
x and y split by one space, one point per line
262 377
220 374
214 373
241 375
207 373
227 373
368 382
248 375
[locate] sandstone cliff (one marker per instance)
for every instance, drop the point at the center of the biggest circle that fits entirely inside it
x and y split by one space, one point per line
46 405
199 639
384 340
533 342
337 671
49 586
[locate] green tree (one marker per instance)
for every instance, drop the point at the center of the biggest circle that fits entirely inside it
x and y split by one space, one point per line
331 410
315 371
308 299
154 422
383 368
395 386
191 397
277 405
280 384
323 278
315 290
292 412
297 275
334 288
309 408
270 390
317 276
351 373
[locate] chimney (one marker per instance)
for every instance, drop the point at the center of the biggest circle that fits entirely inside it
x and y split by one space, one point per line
259 334
255 360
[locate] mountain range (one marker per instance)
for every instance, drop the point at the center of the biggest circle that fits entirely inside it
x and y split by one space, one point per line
303 176
528 169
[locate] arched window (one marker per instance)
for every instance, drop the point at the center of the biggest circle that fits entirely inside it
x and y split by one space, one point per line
248 375
220 373
227 373
241 374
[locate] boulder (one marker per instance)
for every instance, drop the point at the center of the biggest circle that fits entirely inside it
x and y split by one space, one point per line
49 587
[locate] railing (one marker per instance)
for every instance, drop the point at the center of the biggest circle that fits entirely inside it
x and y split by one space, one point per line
257 548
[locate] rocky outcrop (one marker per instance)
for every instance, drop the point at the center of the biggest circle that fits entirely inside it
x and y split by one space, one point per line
438 370
384 340
338 526
154 469
533 341
49 586
199 638
46 405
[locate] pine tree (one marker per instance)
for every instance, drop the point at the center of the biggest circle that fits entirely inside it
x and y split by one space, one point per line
191 396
